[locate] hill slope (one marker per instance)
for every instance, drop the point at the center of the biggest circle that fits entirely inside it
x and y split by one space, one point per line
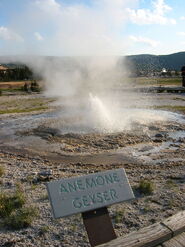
143 62
149 62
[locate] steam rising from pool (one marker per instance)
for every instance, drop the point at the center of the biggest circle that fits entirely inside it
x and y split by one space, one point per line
99 115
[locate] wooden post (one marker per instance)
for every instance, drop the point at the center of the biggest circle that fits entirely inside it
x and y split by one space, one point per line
98 226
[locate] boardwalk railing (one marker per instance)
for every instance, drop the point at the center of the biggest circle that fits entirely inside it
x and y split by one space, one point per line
153 235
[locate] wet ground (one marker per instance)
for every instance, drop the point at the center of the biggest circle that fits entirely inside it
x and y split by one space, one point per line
153 136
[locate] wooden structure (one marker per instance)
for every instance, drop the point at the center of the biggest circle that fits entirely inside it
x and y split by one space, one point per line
3 68
183 75
168 233
162 89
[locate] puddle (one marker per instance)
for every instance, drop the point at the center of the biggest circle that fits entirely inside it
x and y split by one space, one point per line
177 134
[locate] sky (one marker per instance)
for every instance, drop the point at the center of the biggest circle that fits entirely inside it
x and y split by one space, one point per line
91 27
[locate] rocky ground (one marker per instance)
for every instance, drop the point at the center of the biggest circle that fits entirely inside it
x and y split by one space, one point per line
157 155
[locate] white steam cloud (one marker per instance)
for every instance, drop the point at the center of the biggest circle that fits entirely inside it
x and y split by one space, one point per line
71 28
90 39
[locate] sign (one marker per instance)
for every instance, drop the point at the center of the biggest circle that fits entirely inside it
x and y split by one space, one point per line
84 193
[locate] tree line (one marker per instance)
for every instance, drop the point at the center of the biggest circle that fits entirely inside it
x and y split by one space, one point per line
16 74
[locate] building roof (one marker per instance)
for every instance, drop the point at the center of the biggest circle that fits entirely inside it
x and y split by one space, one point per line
3 67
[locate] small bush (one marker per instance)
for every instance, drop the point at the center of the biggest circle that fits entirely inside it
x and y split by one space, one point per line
146 187
25 87
119 216
13 212
8 203
2 171
44 197
43 230
35 86
171 184
20 218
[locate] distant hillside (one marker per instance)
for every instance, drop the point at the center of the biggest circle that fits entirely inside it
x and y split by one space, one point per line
148 62
143 62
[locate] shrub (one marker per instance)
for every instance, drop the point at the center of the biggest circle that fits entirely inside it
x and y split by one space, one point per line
8 203
146 187
20 218
13 212
25 87
119 216
171 184
44 197
43 230
35 86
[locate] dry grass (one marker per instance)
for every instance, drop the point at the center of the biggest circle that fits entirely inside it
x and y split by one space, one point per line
13 84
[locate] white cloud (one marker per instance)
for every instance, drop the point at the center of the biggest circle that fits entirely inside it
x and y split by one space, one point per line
72 27
79 29
51 7
38 36
8 34
154 16
144 40
182 18
181 33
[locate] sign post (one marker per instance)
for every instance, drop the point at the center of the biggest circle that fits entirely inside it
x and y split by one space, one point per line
98 226
89 195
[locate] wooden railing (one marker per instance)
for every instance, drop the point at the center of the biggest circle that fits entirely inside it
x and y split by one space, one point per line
153 235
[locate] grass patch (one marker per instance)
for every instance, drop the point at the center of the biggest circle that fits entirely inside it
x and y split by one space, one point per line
170 184
158 81
13 212
11 89
44 197
43 230
119 216
146 187
23 110
8 203
24 105
21 217
179 108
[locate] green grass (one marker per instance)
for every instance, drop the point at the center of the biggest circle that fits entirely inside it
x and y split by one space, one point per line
21 218
158 81
43 230
119 216
44 197
179 108
8 203
146 187
13 212
8 111
11 89
170 184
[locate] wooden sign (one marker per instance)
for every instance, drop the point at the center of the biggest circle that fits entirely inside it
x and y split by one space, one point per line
85 193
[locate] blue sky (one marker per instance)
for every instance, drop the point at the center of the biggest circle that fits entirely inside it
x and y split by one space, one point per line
91 27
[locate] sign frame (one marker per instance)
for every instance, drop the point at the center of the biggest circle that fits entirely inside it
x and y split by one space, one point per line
89 192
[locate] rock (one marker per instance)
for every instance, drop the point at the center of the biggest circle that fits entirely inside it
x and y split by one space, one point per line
45 175
182 140
159 135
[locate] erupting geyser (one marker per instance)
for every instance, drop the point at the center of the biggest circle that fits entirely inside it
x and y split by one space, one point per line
100 115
